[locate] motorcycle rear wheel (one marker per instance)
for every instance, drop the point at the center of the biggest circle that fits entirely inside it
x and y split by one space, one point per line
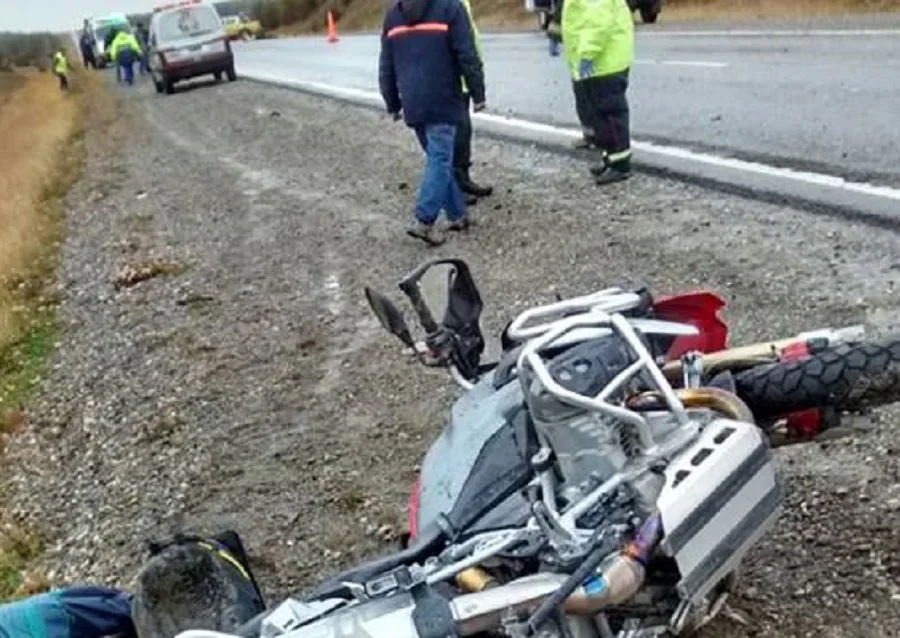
849 378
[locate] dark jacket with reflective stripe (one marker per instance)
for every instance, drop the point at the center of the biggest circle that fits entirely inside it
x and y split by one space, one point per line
426 45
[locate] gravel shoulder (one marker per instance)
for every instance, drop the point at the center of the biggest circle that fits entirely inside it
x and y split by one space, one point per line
248 385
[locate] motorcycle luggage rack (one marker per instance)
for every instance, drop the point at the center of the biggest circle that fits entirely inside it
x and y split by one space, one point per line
610 300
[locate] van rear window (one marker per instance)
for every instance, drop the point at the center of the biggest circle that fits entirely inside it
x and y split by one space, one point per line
188 23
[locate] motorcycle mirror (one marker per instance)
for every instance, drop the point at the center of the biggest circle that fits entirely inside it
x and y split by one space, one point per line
389 316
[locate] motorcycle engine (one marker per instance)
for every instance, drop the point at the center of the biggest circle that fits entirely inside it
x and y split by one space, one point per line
590 447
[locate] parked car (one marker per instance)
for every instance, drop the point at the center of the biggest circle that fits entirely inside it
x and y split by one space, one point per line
188 40
543 9
241 27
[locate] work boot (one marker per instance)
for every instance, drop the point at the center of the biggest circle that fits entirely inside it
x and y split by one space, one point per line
471 200
612 174
459 225
471 188
599 169
426 232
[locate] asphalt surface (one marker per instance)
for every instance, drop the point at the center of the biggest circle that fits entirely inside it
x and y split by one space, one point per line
824 101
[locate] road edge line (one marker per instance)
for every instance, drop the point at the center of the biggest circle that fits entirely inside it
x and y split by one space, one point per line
879 205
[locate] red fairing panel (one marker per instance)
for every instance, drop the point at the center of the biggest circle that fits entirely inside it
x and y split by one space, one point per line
699 309
414 508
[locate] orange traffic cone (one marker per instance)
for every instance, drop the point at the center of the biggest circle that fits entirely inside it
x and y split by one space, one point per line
332 29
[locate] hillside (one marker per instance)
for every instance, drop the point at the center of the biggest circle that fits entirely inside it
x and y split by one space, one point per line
308 16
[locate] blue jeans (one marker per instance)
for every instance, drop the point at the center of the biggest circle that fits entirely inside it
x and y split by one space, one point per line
439 189
126 62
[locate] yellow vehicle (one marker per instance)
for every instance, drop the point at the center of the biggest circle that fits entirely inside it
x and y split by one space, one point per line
240 27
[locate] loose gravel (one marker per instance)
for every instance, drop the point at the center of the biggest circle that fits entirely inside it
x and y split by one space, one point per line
246 384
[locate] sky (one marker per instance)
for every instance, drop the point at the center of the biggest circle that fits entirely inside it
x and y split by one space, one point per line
59 15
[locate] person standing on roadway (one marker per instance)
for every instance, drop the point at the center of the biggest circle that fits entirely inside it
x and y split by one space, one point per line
462 157
598 37
124 51
143 38
425 45
554 34
86 44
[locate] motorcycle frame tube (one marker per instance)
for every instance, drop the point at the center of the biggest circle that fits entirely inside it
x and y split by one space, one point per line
530 359
608 300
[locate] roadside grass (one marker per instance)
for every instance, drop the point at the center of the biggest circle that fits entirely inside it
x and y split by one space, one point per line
366 15
42 134
698 10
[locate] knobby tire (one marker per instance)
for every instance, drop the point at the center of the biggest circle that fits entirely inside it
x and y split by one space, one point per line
848 378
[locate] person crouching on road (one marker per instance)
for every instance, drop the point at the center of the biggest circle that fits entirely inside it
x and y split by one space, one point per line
125 51
462 153
598 37
61 69
425 45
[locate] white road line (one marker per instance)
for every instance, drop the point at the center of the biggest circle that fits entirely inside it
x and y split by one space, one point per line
671 152
713 65
694 63
771 34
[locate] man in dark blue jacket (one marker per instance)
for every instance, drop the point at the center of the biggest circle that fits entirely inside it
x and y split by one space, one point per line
426 45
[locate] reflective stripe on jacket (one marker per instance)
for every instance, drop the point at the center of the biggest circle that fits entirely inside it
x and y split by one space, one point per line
601 31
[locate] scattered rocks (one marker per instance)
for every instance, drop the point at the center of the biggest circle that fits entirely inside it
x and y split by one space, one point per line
258 412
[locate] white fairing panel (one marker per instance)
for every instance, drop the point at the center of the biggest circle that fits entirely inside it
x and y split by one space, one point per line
721 495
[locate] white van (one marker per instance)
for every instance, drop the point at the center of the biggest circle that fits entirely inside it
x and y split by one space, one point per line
187 40
100 29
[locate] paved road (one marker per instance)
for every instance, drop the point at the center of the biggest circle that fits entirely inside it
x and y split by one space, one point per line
824 102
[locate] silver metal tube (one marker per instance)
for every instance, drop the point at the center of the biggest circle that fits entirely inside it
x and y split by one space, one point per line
460 380
481 555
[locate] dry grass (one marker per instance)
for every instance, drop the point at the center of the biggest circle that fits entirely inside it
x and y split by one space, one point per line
694 10
41 159
366 15
18 546
41 128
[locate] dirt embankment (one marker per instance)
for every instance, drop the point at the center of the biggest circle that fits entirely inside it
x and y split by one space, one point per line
245 384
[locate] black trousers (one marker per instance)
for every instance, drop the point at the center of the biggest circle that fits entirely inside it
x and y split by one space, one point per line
603 108
462 144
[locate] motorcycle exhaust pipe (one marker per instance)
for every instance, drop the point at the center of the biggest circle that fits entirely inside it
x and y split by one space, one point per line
721 401
488 609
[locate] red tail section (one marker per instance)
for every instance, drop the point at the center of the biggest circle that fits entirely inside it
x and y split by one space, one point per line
699 309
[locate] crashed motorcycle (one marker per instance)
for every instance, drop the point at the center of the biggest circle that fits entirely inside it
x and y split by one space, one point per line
605 477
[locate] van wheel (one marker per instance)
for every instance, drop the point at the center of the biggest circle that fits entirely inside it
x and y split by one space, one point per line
159 86
169 86
230 72
218 76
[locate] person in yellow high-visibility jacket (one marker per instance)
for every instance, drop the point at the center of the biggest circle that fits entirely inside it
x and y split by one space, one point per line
61 69
598 38
125 51
462 151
